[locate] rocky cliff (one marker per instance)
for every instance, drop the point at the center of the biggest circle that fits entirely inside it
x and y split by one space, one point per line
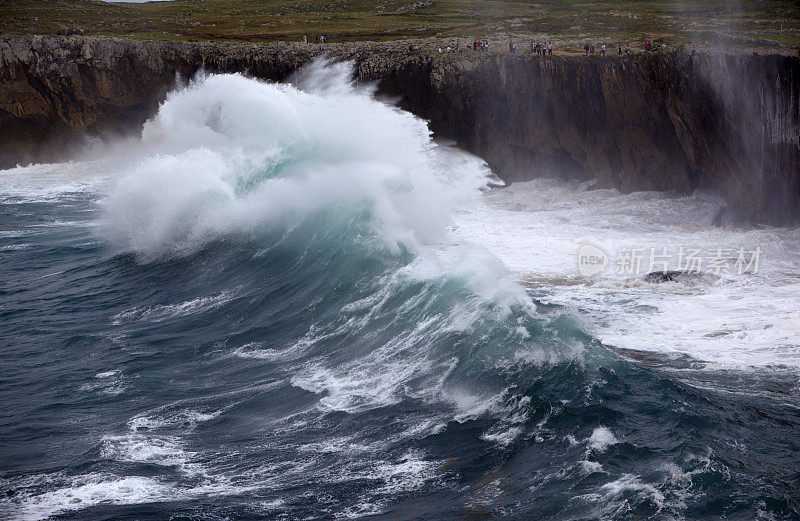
658 121
665 121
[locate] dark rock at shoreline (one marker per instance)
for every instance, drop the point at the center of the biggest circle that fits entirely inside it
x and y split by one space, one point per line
684 277
673 121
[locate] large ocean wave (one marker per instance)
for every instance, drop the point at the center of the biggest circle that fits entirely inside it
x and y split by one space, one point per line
265 307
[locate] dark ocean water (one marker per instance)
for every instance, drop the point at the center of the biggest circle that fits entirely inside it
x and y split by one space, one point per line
159 365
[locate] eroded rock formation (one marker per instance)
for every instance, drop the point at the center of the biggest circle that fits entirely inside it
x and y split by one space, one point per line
657 121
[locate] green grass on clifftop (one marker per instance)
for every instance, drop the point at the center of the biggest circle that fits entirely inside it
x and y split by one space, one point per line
741 24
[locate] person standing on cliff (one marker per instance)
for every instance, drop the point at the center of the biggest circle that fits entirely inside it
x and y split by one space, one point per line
591 49
586 49
603 50
305 39
550 48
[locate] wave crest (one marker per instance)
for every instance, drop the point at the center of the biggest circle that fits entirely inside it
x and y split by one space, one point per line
229 154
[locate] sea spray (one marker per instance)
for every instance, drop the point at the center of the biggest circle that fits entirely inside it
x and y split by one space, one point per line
230 154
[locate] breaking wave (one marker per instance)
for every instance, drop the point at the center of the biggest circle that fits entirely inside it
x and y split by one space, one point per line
264 308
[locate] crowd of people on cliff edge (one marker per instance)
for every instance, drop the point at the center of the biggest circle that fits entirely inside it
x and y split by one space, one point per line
70 32
538 49
542 49
319 39
590 50
546 49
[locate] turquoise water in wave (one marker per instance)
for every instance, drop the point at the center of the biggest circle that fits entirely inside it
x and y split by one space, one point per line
257 310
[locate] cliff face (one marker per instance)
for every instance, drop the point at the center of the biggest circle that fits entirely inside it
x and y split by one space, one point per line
665 121
55 90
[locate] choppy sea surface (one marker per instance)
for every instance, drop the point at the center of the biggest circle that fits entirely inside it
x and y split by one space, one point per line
288 302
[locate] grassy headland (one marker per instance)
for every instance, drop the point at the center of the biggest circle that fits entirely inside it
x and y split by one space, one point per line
741 24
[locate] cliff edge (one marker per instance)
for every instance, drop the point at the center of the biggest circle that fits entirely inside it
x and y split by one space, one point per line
671 121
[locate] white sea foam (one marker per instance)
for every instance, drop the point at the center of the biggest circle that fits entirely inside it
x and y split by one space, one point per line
600 440
590 467
90 490
156 450
51 182
739 321
167 311
15 247
186 418
392 477
257 350
230 154
108 374
107 382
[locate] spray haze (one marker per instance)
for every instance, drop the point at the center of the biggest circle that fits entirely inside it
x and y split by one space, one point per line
230 153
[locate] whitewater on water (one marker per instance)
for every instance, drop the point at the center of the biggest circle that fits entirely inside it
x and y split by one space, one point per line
286 301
